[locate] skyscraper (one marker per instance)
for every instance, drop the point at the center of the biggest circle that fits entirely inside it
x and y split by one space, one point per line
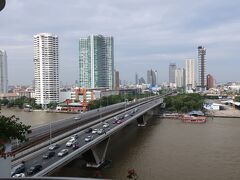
46 70
96 62
151 77
190 80
136 79
179 77
202 83
172 68
116 79
3 72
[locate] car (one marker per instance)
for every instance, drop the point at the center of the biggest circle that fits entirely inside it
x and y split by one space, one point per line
89 130
63 152
100 131
75 136
53 147
70 142
94 131
18 169
77 118
34 169
105 125
126 115
48 155
19 175
116 118
119 122
88 138
75 145
136 109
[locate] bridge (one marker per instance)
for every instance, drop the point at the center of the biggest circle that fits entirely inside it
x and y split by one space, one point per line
94 150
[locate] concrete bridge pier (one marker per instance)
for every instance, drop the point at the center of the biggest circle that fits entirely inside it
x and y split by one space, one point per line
95 156
142 120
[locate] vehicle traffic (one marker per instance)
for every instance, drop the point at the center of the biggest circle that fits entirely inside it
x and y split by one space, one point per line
63 152
34 169
48 155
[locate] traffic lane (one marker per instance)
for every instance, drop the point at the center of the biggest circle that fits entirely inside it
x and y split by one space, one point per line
81 140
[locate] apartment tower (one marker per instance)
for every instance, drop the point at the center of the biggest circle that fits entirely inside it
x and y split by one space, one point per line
190 79
96 62
202 82
172 68
3 72
46 68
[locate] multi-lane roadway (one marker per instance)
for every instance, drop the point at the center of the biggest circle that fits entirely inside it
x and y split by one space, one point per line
109 126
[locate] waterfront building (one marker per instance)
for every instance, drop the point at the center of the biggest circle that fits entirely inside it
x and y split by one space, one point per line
96 62
3 72
190 79
210 82
179 77
46 68
151 77
172 68
201 82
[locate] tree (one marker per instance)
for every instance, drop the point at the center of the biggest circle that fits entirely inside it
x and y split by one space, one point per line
11 129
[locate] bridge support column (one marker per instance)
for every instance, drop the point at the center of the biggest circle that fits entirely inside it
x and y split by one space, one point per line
142 120
95 156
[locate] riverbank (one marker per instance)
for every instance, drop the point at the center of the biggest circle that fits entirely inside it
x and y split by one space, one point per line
229 112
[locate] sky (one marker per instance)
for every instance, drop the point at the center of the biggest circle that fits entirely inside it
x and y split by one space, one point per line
148 34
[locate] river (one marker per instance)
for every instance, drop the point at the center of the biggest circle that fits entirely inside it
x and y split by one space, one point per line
35 118
168 149
171 150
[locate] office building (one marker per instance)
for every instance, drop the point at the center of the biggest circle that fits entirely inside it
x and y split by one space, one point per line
151 77
190 79
3 72
136 79
201 82
180 77
96 62
172 68
116 79
142 81
46 68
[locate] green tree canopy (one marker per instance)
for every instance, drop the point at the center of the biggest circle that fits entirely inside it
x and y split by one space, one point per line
10 128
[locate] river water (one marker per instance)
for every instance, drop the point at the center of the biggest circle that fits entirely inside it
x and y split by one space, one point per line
171 150
35 118
168 149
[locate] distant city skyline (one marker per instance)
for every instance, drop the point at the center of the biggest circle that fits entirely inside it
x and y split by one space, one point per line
165 33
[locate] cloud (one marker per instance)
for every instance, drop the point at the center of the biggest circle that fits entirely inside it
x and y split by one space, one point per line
147 33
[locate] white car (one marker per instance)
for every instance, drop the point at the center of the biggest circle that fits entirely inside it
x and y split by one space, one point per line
63 152
88 138
105 125
94 131
70 142
19 175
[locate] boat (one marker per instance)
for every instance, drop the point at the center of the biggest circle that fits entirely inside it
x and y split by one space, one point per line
193 119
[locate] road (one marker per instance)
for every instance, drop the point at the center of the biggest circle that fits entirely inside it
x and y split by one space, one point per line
37 158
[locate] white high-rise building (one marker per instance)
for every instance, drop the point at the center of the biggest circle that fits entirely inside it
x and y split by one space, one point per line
3 72
46 70
190 79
